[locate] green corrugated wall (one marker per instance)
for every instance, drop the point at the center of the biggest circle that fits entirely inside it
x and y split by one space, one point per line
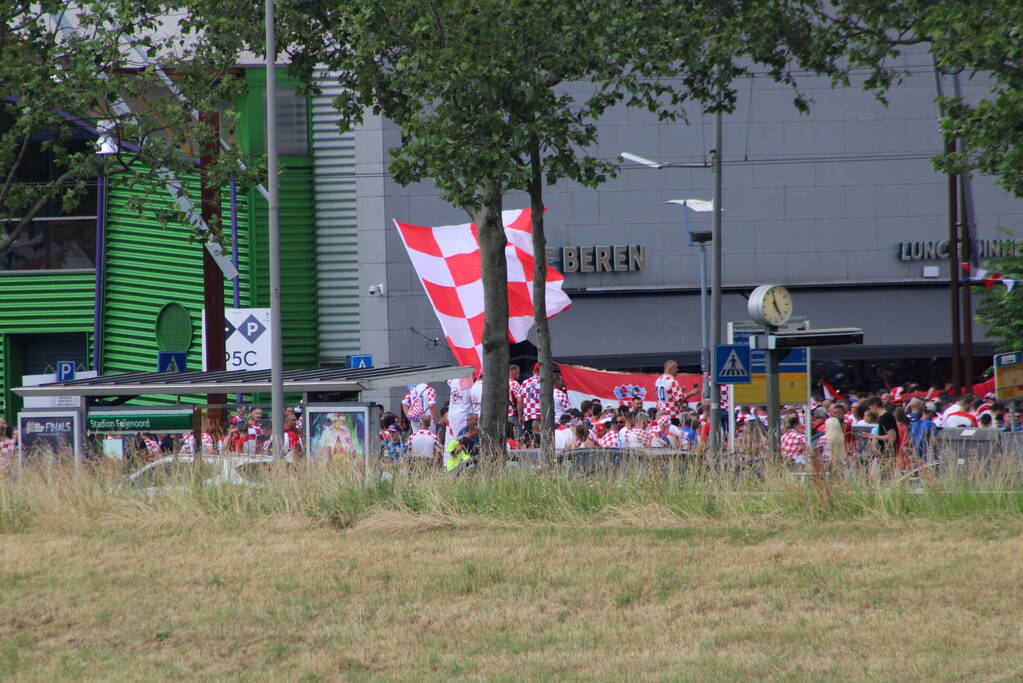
148 265
298 232
41 302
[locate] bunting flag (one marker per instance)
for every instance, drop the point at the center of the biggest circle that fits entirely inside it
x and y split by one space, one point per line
617 388
447 261
981 275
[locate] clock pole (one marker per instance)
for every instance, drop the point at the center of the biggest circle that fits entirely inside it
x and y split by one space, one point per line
773 356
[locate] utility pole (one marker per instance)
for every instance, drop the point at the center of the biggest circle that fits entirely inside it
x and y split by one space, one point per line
967 292
212 275
953 273
274 242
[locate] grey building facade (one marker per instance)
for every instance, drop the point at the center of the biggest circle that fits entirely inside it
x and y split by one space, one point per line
840 205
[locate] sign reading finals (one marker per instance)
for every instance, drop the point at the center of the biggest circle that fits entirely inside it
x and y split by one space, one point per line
246 338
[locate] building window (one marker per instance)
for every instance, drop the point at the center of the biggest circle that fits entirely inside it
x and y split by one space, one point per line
63 243
57 239
292 122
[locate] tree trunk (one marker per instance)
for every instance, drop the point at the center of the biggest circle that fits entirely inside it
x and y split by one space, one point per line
543 330
494 270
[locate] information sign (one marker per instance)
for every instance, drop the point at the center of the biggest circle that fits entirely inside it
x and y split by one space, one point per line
1009 376
359 362
246 338
793 371
163 422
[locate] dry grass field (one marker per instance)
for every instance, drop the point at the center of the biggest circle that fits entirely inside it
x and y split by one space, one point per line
98 585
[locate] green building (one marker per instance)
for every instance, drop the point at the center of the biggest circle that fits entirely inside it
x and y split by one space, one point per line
88 287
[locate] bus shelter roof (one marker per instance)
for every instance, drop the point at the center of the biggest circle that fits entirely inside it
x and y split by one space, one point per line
323 380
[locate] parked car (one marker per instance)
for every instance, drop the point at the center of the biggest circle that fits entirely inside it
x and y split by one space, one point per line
185 470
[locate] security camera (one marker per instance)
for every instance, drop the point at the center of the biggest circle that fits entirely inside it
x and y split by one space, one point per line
376 290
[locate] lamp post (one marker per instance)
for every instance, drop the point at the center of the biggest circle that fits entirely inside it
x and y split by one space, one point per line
274 229
714 163
701 239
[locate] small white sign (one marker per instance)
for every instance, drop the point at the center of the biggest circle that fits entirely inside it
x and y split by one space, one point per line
51 401
246 338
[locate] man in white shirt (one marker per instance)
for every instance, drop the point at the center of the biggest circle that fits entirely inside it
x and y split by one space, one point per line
424 443
959 415
563 435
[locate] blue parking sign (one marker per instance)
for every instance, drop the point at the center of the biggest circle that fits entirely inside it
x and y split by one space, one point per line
65 370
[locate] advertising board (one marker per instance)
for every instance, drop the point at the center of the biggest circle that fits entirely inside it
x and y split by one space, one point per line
46 434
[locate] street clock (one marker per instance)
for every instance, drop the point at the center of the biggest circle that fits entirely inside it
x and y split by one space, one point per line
770 305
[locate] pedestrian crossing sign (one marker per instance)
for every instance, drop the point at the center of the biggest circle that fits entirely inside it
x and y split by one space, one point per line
732 364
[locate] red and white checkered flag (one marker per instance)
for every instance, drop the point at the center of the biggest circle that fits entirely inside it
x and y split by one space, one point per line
447 261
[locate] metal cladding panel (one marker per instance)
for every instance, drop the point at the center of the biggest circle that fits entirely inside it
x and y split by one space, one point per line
42 302
150 264
298 273
337 257
47 301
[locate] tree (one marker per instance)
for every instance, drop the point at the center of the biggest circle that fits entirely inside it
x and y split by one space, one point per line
75 73
971 37
476 91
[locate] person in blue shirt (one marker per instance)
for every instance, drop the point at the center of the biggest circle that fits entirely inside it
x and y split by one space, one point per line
395 447
923 431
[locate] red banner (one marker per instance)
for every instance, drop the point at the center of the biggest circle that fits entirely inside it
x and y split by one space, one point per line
615 388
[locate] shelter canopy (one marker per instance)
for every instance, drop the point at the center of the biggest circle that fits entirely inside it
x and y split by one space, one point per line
322 380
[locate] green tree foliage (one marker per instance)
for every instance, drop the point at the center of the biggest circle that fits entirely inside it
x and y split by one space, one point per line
982 39
1000 308
72 71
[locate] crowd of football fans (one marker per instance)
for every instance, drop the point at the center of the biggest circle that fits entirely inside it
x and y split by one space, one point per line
892 428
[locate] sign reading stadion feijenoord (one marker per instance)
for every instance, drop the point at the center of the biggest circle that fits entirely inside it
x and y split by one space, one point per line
140 422
937 250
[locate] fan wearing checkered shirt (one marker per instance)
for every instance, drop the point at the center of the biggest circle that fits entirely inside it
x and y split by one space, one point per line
670 395
531 396
419 402
514 394
793 441
561 402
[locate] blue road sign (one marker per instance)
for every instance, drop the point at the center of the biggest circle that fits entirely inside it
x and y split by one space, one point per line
794 360
171 361
65 370
732 364
359 362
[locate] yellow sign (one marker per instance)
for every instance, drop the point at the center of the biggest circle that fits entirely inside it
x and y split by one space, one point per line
1009 382
792 388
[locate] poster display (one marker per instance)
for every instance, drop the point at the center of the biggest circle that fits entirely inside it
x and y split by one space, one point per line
49 434
341 434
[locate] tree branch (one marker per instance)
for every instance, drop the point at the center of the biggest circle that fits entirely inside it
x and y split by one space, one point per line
26 220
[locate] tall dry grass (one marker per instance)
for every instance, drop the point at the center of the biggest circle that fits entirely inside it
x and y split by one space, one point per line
70 499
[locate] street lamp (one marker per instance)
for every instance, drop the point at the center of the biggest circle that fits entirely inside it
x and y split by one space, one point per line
701 239
714 163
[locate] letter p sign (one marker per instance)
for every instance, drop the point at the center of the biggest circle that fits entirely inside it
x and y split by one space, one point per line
65 370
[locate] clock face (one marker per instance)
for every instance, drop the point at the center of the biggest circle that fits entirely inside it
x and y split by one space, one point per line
771 305
777 306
